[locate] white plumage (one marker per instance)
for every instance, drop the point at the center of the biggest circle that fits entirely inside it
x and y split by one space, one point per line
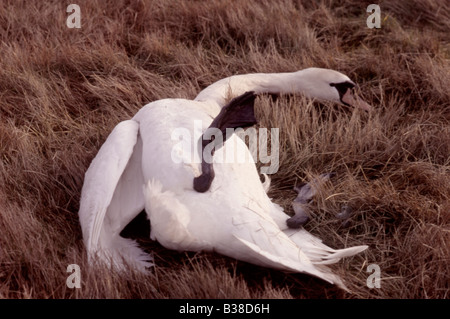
135 170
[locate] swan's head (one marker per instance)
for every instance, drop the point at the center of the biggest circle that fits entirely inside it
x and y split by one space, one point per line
330 85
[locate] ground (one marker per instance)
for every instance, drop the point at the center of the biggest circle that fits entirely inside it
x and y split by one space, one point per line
62 90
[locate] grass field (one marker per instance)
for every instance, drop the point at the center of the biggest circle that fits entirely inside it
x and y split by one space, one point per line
62 91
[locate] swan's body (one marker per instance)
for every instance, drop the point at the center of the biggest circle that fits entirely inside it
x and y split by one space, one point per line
135 169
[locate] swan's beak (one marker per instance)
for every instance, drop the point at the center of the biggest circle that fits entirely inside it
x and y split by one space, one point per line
355 101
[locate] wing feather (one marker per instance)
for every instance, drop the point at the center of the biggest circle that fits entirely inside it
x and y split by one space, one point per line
101 180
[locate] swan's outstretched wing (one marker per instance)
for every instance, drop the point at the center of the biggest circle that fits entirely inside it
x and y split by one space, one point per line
112 195
264 243
261 226
291 250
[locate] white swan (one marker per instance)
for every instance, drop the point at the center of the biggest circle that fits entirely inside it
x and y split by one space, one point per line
235 217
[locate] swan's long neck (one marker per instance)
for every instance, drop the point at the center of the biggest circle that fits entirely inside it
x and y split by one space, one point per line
223 90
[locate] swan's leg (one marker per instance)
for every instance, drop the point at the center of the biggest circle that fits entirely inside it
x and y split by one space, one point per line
238 113
300 218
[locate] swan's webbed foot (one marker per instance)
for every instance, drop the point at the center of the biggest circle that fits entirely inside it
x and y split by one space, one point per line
307 191
305 194
345 214
300 218
238 113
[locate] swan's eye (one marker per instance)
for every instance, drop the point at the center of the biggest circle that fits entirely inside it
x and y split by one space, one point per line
342 87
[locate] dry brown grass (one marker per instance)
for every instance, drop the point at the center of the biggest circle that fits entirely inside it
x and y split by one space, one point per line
63 90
